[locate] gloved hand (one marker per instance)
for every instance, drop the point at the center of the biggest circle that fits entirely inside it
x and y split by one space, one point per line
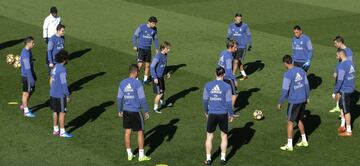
249 48
307 64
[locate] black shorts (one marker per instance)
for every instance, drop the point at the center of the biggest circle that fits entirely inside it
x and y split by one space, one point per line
301 65
296 112
215 120
58 104
143 55
159 88
240 54
232 85
26 85
344 102
133 121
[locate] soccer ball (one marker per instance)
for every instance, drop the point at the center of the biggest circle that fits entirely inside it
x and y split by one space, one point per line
10 59
17 58
17 65
258 115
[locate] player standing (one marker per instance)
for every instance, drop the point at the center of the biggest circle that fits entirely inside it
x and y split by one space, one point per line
339 43
295 88
56 43
240 32
225 61
157 69
27 75
302 50
344 87
142 41
131 98
218 112
59 94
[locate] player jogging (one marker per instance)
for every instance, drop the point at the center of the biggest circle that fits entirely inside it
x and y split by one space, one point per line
131 98
295 88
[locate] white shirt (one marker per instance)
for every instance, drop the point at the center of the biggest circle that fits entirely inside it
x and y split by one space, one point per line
50 24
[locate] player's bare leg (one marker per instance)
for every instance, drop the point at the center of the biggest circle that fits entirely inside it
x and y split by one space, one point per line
208 146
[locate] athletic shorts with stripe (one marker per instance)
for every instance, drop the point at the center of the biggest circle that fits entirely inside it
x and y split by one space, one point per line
58 104
232 85
26 85
344 102
295 112
133 121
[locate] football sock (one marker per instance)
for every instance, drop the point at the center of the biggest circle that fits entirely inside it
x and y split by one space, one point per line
141 153
337 104
348 128
243 73
62 130
145 77
208 156
56 128
156 106
128 150
289 143
303 138
26 110
223 156
342 122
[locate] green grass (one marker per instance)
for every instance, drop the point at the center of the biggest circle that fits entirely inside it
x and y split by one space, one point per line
101 32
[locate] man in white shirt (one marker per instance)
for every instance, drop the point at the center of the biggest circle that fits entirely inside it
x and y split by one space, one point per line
50 24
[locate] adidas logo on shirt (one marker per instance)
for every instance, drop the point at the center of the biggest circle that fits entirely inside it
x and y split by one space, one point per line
215 90
128 88
298 77
352 70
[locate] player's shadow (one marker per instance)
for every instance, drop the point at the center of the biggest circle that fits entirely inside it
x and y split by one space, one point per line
40 106
355 106
311 123
243 98
78 54
77 85
252 67
314 81
156 136
10 43
172 99
89 116
173 68
237 137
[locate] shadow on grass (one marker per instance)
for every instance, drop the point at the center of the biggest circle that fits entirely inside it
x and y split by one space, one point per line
78 54
172 99
243 98
355 106
314 81
10 43
89 116
311 123
173 68
252 67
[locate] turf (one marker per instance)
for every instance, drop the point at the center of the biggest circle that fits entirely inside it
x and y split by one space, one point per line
98 34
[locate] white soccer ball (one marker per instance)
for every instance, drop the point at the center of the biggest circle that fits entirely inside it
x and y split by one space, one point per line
10 59
17 65
258 115
17 58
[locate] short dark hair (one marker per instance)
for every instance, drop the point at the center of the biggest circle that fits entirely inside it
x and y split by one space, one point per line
297 27
339 39
60 26
220 71
28 39
133 67
231 43
238 15
164 45
61 56
287 59
152 19
341 51
53 10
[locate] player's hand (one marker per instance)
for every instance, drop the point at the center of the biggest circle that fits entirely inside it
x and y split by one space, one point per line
156 81
146 115
46 40
67 99
51 65
231 118
307 64
335 75
279 107
120 114
135 48
206 115
333 96
168 76
249 48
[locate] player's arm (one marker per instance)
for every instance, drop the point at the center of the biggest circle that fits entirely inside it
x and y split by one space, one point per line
156 41
120 97
136 36
228 69
309 48
339 81
228 99
27 66
284 90
142 99
49 50
307 88
205 101
45 28
154 62
229 33
64 85
249 38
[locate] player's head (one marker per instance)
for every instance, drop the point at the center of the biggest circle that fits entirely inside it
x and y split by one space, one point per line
165 47
53 11
29 42
288 61
152 21
62 57
231 45
341 54
339 42
133 70
220 72
237 18
60 30
297 31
